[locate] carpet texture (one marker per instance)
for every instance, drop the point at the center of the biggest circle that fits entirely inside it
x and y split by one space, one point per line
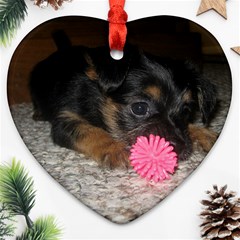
120 196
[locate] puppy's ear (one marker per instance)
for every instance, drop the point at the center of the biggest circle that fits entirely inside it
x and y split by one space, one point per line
111 72
206 93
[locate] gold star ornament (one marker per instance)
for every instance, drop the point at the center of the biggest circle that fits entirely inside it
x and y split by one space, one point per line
218 5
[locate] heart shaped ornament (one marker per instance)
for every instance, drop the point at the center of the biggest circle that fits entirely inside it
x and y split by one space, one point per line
84 111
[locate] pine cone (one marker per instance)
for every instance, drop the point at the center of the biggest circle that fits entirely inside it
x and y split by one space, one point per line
56 4
221 215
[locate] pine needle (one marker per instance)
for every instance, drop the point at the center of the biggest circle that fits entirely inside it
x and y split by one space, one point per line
6 222
16 189
12 13
43 229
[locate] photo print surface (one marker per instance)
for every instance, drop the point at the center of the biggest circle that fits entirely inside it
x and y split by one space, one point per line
79 112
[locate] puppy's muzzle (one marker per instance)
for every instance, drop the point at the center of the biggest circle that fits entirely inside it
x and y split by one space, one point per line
179 139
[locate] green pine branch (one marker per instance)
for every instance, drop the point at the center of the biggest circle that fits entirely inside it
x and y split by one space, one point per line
6 222
18 196
43 229
12 13
16 190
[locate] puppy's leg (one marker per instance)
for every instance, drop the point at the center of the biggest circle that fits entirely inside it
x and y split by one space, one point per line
203 136
71 131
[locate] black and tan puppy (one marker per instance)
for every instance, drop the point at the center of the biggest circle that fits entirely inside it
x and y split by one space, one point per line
98 106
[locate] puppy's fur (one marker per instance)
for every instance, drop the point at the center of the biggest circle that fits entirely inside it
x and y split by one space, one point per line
98 106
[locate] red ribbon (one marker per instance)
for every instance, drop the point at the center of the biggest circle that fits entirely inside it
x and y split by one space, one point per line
117 18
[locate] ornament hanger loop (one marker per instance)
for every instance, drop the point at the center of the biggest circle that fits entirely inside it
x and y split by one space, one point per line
117 19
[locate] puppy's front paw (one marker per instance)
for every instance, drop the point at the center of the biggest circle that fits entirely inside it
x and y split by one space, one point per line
203 137
99 145
115 156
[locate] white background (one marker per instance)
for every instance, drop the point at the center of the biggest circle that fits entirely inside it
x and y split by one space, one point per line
177 216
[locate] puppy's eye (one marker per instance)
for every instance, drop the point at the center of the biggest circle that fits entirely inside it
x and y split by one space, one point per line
140 108
186 112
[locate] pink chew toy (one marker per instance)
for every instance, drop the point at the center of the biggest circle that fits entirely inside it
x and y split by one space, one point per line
153 159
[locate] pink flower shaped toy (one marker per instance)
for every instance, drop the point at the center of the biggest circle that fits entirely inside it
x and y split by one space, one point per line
153 158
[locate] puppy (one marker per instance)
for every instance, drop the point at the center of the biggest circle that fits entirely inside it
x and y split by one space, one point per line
99 106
